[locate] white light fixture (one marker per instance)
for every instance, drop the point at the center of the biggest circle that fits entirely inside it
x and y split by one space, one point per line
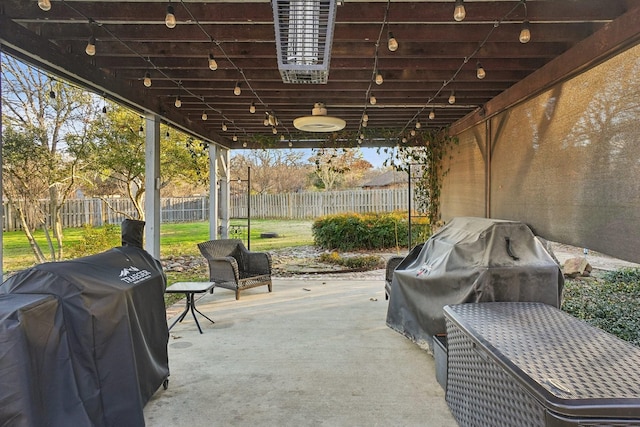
147 79
252 108
235 138
44 5
413 132
525 33
379 78
213 64
364 124
91 46
459 13
178 102
365 117
480 72
224 127
204 116
170 17
452 98
392 43
318 121
372 100
274 130
236 90
418 124
432 114
290 144
244 144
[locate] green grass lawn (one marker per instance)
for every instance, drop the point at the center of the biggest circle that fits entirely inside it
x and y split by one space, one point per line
175 239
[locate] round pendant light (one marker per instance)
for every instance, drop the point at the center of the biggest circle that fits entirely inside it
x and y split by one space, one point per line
318 121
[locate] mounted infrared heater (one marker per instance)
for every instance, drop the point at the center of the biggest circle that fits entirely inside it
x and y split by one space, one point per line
304 33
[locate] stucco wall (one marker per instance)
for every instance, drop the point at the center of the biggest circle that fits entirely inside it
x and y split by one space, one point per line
566 162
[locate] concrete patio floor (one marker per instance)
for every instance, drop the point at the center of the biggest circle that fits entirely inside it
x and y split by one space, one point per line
311 353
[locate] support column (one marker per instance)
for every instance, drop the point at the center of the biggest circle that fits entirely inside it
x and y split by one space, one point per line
219 192
152 186
1 188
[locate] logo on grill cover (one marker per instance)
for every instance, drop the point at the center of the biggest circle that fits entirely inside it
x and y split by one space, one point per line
133 274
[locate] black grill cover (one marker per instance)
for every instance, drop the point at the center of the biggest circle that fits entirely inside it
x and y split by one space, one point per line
114 326
470 260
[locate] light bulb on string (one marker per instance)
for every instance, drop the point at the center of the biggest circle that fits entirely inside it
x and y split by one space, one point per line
266 119
525 33
44 5
404 139
379 78
290 144
459 13
480 72
364 124
178 102
147 79
91 46
372 100
365 117
418 124
235 138
170 17
252 108
274 130
213 64
452 98
244 144
392 43
224 127
204 116
432 114
413 132
236 90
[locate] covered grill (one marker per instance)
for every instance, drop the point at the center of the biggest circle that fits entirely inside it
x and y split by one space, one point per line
470 260
108 316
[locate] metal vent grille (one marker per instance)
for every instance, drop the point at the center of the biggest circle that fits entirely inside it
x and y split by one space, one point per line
304 32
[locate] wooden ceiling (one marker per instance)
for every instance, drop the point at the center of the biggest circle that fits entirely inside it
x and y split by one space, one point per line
436 56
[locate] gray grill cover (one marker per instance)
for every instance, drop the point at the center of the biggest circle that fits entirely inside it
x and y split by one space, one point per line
112 350
470 260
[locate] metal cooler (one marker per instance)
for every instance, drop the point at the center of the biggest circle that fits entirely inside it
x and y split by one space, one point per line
530 364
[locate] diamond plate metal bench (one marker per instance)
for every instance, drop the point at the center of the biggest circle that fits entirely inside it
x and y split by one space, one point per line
232 266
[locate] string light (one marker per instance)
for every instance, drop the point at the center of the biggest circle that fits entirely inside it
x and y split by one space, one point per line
213 64
204 116
178 102
365 117
392 43
404 139
224 127
244 144
372 100
266 119
147 79
170 17
480 72
459 13
525 32
236 90
274 130
418 124
413 132
44 5
91 46
379 79
432 114
235 138
52 94
252 108
364 124
452 98
290 144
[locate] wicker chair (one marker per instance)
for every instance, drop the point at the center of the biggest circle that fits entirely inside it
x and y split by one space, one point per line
232 266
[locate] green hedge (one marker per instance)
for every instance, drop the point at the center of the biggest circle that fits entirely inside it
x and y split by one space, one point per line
349 232
611 303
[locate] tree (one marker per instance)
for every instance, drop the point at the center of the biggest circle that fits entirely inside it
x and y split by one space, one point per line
339 167
272 171
45 126
118 157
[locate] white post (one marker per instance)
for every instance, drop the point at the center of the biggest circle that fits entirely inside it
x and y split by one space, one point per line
219 192
152 186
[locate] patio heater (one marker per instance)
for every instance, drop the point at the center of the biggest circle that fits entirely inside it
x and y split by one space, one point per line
304 33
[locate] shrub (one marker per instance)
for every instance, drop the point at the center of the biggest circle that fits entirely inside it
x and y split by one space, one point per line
95 240
610 303
358 262
348 232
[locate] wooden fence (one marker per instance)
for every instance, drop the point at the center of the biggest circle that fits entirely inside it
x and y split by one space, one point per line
303 205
